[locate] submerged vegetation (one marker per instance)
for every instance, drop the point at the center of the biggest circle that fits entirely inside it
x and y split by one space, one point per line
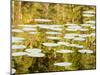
49 37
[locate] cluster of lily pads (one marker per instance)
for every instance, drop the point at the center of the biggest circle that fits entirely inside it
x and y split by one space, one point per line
48 47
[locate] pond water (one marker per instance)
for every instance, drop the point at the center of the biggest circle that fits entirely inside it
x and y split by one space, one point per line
41 44
54 41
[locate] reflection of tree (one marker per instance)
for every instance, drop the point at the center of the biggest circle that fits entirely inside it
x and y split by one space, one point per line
59 13
77 14
16 9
